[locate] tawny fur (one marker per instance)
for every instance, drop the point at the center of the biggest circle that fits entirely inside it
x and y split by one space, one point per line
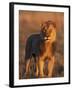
48 34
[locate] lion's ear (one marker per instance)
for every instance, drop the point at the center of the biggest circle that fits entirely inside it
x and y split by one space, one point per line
41 25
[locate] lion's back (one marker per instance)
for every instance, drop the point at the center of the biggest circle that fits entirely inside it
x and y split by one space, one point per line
32 46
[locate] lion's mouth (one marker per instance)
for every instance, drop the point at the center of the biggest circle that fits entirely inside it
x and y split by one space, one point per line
47 38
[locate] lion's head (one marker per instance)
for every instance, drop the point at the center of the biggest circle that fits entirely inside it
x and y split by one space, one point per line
48 31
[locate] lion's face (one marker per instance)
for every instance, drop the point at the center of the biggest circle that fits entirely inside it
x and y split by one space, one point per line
48 32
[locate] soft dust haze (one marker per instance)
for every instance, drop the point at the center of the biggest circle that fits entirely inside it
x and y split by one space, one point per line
29 23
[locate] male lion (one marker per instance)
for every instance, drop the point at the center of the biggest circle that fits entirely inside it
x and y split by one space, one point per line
40 47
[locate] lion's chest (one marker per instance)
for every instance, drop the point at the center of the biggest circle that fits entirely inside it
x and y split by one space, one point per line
46 50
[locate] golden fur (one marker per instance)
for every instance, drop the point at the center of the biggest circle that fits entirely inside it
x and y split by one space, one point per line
48 34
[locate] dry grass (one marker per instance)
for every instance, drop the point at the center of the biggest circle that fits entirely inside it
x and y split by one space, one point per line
29 23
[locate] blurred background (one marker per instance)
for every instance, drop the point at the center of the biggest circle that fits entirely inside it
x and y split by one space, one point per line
29 23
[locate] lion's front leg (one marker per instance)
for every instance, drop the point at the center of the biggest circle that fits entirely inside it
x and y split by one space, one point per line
41 67
51 66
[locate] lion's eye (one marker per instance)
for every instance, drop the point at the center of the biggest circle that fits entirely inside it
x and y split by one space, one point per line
44 30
